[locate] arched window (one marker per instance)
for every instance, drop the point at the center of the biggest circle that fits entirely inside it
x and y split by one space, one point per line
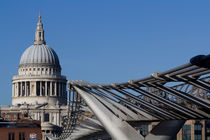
40 34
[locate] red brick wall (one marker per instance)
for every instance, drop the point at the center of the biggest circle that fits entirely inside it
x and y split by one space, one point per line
4 132
11 116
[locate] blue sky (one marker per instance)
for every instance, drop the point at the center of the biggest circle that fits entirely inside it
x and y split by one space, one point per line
105 41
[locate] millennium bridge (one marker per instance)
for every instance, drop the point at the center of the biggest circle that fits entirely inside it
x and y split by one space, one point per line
115 111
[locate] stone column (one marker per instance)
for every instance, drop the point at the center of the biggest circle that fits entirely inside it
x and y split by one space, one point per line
26 89
45 88
42 116
20 88
23 89
34 116
55 89
35 86
13 90
40 88
37 115
30 86
50 116
50 88
58 121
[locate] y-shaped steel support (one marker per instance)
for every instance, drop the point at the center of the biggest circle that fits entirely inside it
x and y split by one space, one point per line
165 130
117 128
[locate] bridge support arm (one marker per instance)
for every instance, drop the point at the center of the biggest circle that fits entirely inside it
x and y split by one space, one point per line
117 128
165 130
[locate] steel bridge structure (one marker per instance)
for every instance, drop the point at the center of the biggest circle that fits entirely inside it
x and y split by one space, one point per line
115 111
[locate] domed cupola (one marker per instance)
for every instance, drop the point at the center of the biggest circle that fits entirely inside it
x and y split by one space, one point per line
39 54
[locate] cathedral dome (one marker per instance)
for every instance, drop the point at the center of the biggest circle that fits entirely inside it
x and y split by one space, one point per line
39 80
39 54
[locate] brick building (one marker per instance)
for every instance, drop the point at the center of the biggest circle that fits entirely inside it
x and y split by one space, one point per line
19 130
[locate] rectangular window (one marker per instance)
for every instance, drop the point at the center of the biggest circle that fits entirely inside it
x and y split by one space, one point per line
198 131
15 116
64 89
38 88
186 132
19 136
198 137
208 121
7 117
46 117
57 88
11 136
53 88
61 87
19 116
22 136
48 88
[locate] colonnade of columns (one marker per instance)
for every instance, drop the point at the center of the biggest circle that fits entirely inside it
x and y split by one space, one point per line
39 71
39 88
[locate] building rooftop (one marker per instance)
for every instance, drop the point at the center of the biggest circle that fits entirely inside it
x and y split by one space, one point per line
19 124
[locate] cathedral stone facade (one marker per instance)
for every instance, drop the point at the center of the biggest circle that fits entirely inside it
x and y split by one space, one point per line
39 89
